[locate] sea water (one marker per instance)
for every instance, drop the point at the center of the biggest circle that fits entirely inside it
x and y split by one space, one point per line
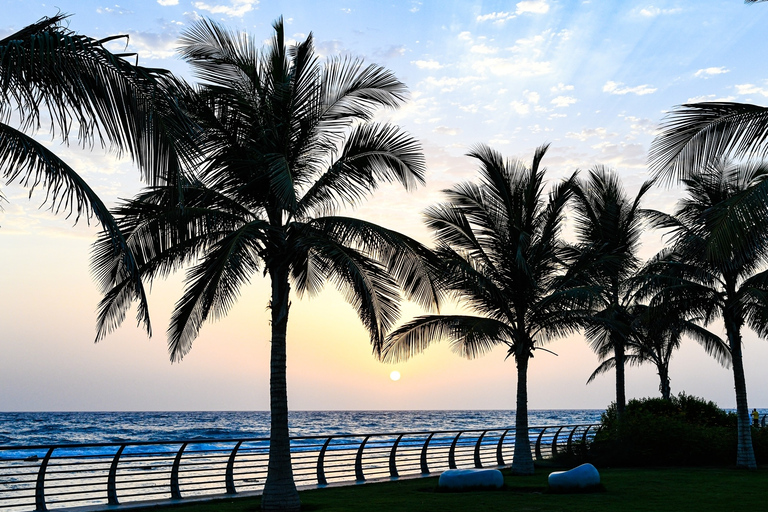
43 428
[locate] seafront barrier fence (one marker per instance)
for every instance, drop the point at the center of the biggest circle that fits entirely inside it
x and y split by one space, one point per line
101 476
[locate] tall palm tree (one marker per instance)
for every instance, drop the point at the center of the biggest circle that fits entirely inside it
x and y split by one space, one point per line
608 225
656 333
287 142
719 239
47 69
500 251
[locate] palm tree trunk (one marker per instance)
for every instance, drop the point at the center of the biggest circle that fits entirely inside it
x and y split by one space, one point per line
664 387
621 394
745 453
280 492
522 461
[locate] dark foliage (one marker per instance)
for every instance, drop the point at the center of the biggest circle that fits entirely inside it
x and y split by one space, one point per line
654 432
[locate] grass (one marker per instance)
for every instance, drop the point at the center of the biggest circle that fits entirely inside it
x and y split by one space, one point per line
667 489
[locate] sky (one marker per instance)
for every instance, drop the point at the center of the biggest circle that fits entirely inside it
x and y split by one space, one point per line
592 78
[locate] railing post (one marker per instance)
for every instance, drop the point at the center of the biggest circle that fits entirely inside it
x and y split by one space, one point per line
359 476
40 487
112 478
538 443
499 447
175 489
584 437
392 456
452 451
229 478
424 465
321 463
554 442
478 462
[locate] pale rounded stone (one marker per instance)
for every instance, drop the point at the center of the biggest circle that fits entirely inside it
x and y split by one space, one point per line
579 477
462 478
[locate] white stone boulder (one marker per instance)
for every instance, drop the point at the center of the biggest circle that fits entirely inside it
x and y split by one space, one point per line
463 478
579 477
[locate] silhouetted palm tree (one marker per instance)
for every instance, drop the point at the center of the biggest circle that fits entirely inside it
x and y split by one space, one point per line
287 141
608 226
656 333
720 242
49 70
500 250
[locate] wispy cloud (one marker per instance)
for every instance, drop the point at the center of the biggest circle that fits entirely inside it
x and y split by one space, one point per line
527 6
708 72
709 97
619 88
563 101
235 8
116 9
588 133
745 89
168 2
446 130
561 87
426 64
652 11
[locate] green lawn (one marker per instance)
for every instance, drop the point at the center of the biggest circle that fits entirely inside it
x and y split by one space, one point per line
695 489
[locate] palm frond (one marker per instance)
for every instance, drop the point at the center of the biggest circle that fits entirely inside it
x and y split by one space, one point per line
470 336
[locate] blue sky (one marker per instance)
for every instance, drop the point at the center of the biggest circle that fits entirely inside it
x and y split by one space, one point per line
593 78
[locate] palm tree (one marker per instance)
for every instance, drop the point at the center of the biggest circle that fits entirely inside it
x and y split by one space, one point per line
48 69
287 141
608 225
498 242
656 333
720 243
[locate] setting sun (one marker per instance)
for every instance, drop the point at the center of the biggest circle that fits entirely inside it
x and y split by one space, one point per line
395 375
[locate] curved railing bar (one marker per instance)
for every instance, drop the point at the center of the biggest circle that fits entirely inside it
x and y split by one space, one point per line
229 477
452 451
478 462
424 466
538 443
554 441
175 489
359 476
112 478
40 485
499 447
321 480
392 458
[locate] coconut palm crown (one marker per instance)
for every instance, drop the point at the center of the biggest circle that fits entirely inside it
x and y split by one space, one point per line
287 140
500 251
719 249
49 71
608 225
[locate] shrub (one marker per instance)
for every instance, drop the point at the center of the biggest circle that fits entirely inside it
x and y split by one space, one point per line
655 432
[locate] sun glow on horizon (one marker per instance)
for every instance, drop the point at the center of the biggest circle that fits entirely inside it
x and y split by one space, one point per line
395 375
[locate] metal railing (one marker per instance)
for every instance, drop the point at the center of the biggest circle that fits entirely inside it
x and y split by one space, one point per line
103 475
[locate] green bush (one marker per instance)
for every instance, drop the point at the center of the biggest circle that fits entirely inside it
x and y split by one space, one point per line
655 432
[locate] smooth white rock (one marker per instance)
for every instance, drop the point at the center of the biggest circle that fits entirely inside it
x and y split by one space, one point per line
577 478
461 478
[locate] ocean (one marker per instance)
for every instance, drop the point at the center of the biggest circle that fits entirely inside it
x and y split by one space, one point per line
42 428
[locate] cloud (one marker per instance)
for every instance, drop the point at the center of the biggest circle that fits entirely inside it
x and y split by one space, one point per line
390 52
448 84
652 12
707 72
526 6
346 10
416 6
563 101
113 10
561 87
445 130
745 89
588 133
483 49
619 88
236 8
166 3
709 97
149 45
426 64
522 67
520 107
